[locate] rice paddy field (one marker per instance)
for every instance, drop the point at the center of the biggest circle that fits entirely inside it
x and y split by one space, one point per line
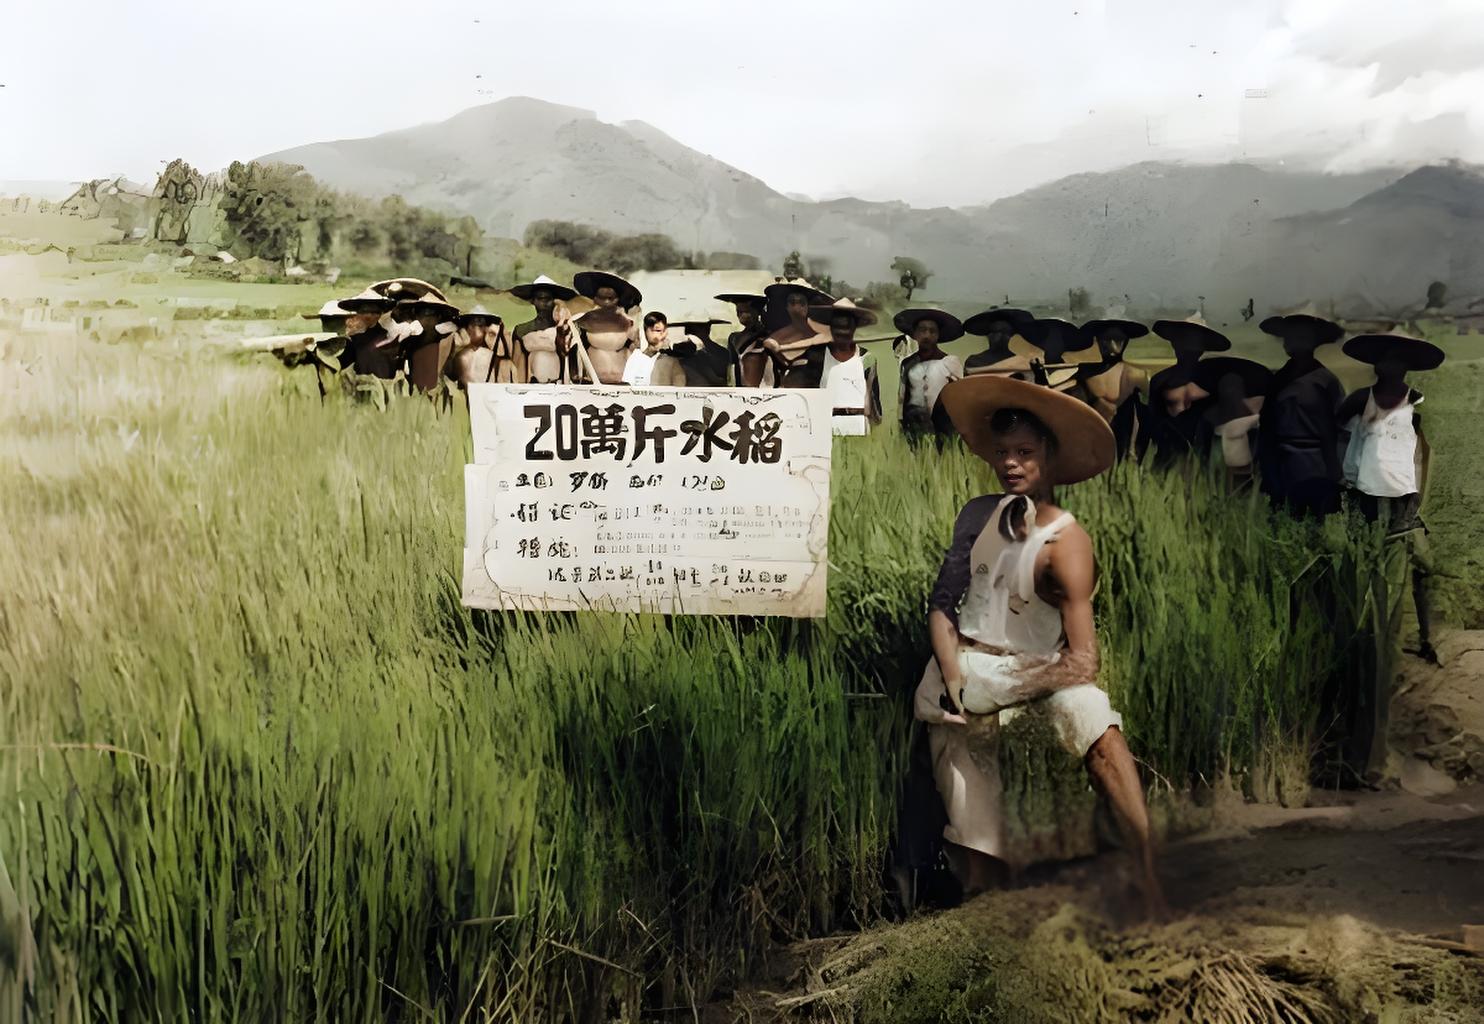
258 763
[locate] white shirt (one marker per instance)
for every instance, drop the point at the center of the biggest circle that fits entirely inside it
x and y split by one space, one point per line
1381 459
845 380
927 378
637 369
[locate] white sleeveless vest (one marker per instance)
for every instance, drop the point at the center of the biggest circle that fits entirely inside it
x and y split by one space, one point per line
1381 458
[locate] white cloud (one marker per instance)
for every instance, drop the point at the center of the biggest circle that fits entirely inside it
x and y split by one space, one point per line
939 102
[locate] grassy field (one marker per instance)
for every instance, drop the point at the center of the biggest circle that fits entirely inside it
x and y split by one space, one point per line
258 762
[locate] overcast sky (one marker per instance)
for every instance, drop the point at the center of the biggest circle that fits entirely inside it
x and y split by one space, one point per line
932 101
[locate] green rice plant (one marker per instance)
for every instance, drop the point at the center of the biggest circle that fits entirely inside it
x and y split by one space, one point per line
257 762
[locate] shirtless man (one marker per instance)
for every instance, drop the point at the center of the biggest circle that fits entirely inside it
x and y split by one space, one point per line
608 332
750 358
483 352
544 344
1113 387
997 327
796 344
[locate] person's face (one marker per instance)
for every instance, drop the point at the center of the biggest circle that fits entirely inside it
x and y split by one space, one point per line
798 308
1000 333
699 330
1187 349
359 323
477 330
1300 340
543 300
925 333
1019 460
606 298
1112 341
842 329
655 333
747 315
1231 389
333 324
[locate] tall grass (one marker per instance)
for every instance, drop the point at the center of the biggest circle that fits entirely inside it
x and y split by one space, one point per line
258 762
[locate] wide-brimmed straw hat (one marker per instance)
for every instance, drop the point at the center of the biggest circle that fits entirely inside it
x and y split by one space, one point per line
1094 329
1193 330
1309 316
1020 320
368 301
525 292
826 312
589 281
742 298
400 288
1257 379
779 291
477 313
329 309
1413 352
1084 441
1048 327
949 326
697 318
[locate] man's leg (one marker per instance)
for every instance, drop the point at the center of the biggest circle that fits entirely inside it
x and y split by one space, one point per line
1111 766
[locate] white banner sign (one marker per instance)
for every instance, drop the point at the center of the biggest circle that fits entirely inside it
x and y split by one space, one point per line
674 500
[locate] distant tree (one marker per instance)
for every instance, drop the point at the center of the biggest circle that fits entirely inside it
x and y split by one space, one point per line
793 266
1248 312
1078 300
177 192
881 294
265 205
730 261
1437 294
913 273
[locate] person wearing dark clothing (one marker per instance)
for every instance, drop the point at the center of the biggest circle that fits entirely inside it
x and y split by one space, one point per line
751 361
706 363
1178 403
1297 433
997 327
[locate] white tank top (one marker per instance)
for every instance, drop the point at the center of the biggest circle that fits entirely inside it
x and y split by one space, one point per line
1381 459
1002 607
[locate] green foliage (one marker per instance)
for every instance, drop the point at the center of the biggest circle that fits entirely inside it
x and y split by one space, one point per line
905 265
327 791
265 206
593 247
726 261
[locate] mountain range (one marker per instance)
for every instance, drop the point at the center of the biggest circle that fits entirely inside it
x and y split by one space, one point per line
1163 234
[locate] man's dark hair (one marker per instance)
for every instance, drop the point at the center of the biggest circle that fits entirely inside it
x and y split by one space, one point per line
650 319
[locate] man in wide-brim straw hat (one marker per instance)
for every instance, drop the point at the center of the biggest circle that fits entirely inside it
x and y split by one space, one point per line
1112 386
609 333
1387 456
855 390
702 362
1177 402
1297 437
1239 387
927 371
545 342
998 326
1011 620
425 328
753 365
794 342
482 351
369 348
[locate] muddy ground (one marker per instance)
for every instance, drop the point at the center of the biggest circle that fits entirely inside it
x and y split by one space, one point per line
1360 906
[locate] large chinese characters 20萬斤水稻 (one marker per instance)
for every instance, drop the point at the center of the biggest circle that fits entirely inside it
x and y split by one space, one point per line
664 500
